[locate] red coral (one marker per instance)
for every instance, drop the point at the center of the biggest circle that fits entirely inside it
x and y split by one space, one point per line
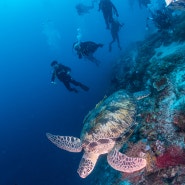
173 156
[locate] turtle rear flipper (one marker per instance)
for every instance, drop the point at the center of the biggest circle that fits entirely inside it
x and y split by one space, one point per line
69 143
123 163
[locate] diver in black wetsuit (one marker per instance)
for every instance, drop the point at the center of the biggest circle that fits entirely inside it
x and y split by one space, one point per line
87 49
108 8
115 28
63 74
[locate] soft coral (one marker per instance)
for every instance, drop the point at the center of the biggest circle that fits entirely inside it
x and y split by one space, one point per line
173 156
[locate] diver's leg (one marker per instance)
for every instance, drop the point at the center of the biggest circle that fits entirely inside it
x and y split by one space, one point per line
110 44
76 83
67 85
110 18
117 38
106 18
94 60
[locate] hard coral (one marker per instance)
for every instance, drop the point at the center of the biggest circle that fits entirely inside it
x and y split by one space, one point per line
160 83
134 178
173 156
179 32
179 119
158 147
135 149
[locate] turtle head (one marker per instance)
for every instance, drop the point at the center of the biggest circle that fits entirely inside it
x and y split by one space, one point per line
85 168
87 164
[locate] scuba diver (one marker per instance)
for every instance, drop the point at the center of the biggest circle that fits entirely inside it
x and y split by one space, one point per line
63 74
86 50
84 9
115 28
108 8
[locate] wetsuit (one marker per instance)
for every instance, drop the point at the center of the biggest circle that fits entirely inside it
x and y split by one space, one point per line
62 73
107 8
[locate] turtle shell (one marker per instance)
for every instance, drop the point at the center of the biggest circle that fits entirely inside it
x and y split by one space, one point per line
110 119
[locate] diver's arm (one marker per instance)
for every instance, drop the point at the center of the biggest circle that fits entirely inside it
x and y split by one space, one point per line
79 55
53 76
80 52
115 10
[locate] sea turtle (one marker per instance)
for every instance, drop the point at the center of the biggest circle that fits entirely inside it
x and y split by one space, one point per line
105 130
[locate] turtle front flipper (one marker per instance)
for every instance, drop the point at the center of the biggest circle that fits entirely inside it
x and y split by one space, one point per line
69 143
123 163
87 164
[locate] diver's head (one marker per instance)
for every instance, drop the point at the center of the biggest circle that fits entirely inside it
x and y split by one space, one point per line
54 63
76 46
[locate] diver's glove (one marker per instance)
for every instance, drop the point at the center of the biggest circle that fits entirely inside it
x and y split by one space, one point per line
52 82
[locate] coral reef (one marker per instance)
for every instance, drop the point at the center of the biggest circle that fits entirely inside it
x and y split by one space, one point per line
179 119
156 64
160 83
179 31
173 156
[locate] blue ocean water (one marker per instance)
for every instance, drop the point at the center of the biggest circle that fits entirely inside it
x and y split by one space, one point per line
32 34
